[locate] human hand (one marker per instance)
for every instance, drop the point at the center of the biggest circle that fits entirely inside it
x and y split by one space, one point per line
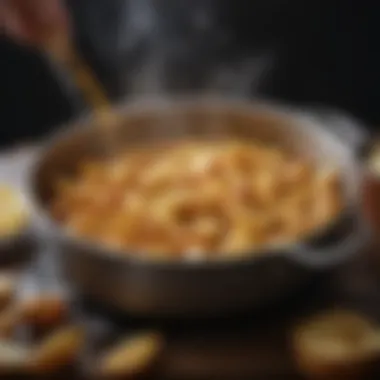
33 22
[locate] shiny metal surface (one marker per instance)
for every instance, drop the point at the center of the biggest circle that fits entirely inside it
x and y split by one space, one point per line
199 289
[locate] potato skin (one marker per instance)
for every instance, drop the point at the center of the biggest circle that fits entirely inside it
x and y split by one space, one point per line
134 356
44 311
58 350
323 348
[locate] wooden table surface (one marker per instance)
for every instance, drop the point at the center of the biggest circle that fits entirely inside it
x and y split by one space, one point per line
250 346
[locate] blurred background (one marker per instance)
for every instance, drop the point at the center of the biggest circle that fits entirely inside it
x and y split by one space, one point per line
299 52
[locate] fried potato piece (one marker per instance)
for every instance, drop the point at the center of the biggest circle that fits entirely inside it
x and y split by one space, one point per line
43 311
336 344
374 159
132 356
46 310
8 282
9 319
58 350
13 357
14 215
215 195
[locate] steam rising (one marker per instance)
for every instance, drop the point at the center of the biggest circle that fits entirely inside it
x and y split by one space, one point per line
191 59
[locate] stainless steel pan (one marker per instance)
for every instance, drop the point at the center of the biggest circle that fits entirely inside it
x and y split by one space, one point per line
208 288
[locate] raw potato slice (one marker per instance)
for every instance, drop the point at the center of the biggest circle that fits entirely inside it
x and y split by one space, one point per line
58 350
132 356
47 310
14 215
13 357
335 344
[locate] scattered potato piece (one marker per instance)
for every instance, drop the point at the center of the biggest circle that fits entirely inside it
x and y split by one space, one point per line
58 350
133 356
374 159
9 319
7 288
44 311
14 215
335 344
13 357
47 310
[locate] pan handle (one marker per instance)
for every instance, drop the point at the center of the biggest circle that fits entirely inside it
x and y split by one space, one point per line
346 127
337 246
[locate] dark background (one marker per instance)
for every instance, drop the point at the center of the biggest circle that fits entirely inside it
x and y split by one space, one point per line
300 52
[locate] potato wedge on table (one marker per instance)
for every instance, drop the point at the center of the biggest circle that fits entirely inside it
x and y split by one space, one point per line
8 284
9 320
60 349
335 345
132 356
14 214
13 357
45 310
